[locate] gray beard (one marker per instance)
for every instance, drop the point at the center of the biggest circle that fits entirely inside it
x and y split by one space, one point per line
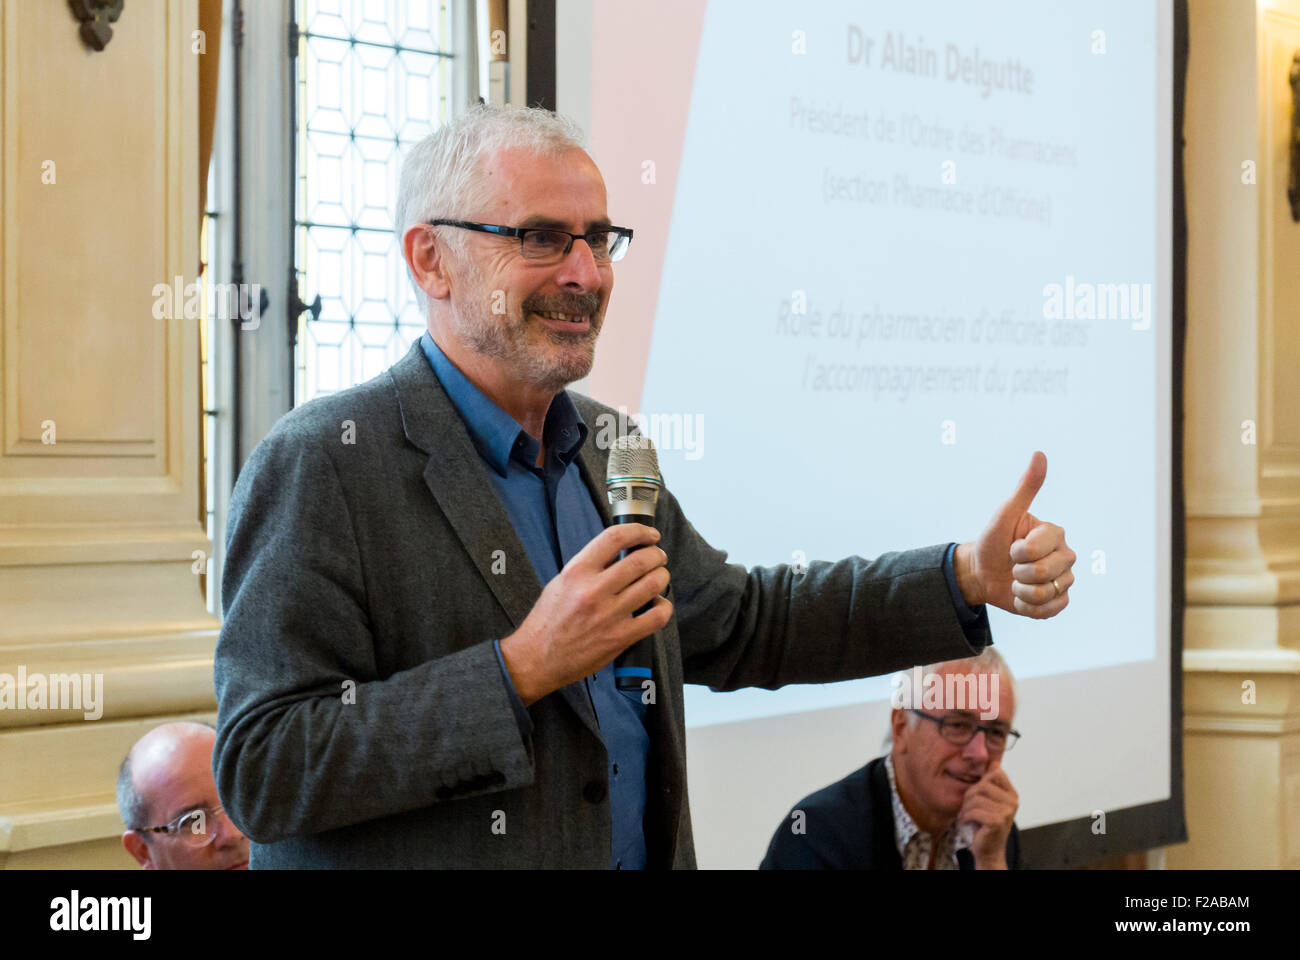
505 338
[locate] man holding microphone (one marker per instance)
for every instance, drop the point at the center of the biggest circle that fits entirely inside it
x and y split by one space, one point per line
422 593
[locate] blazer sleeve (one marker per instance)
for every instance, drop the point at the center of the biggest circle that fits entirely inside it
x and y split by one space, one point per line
771 626
309 736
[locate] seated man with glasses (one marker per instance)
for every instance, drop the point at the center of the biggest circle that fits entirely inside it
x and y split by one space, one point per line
168 802
939 800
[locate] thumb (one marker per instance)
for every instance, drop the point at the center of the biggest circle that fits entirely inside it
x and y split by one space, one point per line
1033 479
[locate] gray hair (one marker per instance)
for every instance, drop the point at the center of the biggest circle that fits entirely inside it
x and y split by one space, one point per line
440 175
988 661
130 805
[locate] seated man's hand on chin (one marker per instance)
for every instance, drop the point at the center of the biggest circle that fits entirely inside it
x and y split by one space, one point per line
990 808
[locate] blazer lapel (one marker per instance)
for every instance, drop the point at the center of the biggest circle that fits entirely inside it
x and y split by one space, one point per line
457 477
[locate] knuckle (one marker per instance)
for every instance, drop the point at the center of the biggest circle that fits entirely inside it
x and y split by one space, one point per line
584 601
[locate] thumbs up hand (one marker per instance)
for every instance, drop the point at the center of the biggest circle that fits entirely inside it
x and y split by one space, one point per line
1019 563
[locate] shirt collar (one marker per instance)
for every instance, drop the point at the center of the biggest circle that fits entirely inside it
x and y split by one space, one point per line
958 837
496 434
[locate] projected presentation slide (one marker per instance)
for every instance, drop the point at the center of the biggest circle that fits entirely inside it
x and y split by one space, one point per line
883 253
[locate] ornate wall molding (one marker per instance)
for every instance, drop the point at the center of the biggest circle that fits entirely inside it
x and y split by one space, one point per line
95 17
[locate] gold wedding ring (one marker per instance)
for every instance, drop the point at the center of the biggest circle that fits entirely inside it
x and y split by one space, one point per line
1058 588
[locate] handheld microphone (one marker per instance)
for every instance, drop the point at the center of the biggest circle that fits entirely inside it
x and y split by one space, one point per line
632 483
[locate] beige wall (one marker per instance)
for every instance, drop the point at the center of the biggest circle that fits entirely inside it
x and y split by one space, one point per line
98 529
1243 498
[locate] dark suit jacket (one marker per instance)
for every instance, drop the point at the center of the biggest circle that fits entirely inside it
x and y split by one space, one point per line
362 716
850 826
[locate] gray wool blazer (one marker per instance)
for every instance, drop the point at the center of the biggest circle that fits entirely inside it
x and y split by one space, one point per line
362 717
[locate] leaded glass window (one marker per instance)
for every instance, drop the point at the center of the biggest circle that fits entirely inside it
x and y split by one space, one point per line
373 77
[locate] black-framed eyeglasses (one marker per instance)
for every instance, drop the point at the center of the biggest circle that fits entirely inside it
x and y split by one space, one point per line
962 730
193 827
608 244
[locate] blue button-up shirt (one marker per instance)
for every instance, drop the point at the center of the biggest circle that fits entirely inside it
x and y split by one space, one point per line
555 517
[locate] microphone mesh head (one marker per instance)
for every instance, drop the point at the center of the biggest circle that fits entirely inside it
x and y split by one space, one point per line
633 456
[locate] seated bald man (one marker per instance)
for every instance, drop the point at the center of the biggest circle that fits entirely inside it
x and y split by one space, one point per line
168 802
939 800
